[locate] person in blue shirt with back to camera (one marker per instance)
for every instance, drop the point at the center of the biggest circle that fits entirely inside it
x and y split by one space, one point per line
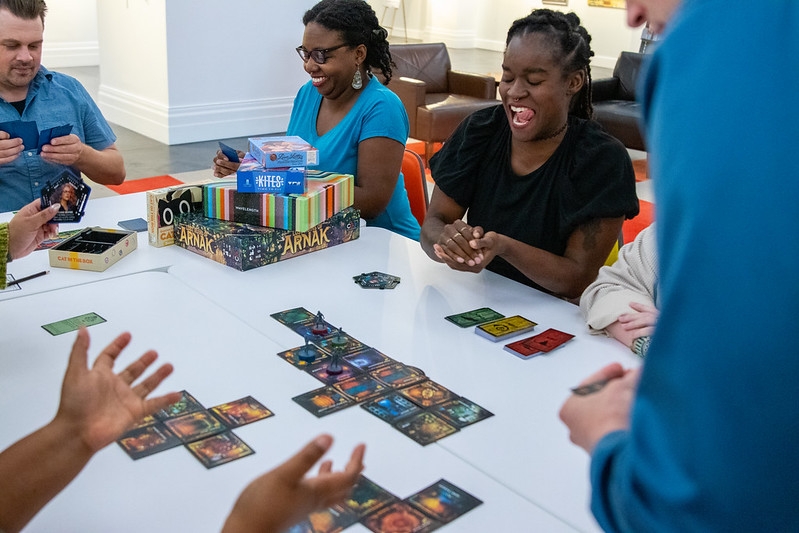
29 93
358 125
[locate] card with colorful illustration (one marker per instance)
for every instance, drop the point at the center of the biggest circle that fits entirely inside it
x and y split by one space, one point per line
143 441
397 375
361 387
219 449
444 501
377 280
241 412
195 426
462 412
187 404
324 401
401 517
366 496
549 340
425 427
293 316
368 359
474 317
319 370
504 328
293 355
70 192
427 393
337 336
391 407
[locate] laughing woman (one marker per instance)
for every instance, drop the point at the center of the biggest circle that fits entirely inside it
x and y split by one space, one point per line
544 189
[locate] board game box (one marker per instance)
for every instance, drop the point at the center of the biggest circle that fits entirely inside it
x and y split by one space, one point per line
283 151
326 194
251 176
162 207
93 249
244 247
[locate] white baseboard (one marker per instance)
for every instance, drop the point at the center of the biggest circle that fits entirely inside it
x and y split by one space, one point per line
195 123
74 54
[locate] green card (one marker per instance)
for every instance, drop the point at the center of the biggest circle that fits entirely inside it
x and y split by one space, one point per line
72 324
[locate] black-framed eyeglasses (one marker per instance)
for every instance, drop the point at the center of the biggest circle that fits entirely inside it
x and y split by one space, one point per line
318 55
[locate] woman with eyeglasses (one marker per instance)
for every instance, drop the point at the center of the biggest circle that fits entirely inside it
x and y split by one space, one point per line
358 125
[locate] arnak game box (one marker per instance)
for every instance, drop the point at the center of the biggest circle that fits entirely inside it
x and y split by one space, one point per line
244 247
93 249
327 193
283 151
253 177
163 205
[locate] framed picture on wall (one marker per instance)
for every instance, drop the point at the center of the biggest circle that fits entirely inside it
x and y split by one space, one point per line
620 4
556 2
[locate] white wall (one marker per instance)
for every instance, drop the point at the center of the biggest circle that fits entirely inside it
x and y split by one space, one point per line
190 70
70 34
484 24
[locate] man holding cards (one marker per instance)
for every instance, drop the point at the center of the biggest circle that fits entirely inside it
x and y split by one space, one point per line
707 439
47 120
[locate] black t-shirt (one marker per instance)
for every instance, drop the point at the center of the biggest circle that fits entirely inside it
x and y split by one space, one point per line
589 176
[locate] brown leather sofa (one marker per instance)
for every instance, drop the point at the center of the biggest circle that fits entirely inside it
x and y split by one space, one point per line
436 97
614 101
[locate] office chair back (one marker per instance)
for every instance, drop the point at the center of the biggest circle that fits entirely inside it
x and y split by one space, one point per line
415 184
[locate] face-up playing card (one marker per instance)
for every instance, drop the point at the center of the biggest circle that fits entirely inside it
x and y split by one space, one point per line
462 412
427 393
366 497
147 440
219 449
368 359
331 520
361 387
399 516
396 375
321 372
475 317
444 501
241 412
503 328
324 401
377 280
70 192
549 340
195 426
293 316
73 324
187 404
425 427
391 407
523 349
293 355
349 344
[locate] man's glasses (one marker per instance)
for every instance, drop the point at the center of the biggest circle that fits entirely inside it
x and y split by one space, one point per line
319 56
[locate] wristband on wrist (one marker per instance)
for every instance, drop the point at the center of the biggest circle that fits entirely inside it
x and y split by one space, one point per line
641 346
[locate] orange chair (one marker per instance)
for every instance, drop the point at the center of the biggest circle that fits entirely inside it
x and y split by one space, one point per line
415 184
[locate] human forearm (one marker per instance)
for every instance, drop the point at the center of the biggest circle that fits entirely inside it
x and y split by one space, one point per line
35 469
102 166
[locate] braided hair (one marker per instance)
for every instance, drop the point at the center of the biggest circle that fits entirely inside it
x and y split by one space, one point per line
357 23
571 45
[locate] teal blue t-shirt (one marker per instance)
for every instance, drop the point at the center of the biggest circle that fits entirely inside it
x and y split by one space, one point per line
378 112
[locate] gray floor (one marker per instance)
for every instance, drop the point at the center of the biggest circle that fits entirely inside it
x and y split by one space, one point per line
145 157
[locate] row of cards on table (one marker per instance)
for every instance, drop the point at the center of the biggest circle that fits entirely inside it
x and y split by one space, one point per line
398 394
497 327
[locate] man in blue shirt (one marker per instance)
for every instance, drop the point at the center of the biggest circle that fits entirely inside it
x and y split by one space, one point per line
31 93
705 437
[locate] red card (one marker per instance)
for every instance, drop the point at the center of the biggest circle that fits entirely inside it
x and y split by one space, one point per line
549 340
523 348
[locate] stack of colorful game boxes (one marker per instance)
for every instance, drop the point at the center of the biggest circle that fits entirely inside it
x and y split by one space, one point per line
275 209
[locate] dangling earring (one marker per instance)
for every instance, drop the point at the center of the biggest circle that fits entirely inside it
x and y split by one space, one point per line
357 80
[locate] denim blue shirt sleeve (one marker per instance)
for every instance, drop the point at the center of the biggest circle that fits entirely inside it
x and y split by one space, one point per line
713 443
53 99
378 112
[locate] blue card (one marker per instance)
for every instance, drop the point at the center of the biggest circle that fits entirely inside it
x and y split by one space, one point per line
231 154
45 136
25 130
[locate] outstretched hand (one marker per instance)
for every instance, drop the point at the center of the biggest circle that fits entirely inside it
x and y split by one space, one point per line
284 496
102 405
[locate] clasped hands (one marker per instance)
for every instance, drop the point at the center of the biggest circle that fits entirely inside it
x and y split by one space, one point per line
466 248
